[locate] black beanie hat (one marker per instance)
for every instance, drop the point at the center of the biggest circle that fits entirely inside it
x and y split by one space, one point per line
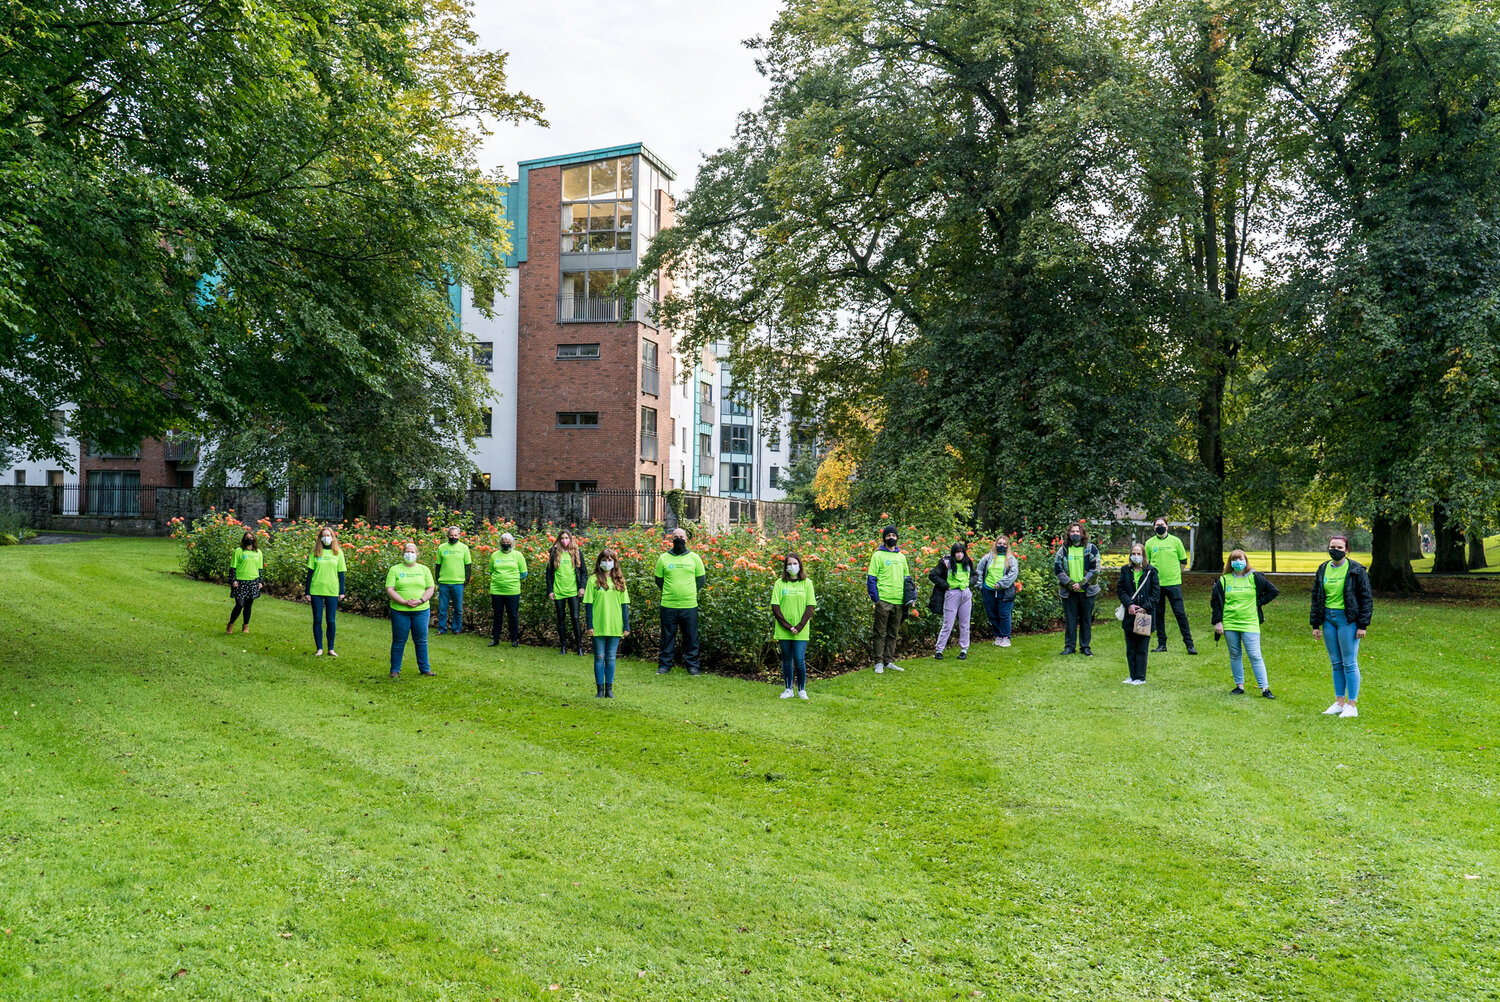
889 530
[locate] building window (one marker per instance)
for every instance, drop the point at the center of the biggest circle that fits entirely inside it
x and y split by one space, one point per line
484 292
775 472
734 438
706 395
578 419
59 422
479 482
585 296
570 351
54 478
488 422
650 372
577 486
484 355
648 434
735 477
729 404
773 440
597 207
20 478
185 478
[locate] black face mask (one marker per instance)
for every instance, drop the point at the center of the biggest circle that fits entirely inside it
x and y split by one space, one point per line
679 546
505 547
890 541
246 542
1161 530
452 539
1335 555
1002 550
1075 540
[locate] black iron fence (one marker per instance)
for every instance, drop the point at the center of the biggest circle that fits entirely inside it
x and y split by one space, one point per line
621 507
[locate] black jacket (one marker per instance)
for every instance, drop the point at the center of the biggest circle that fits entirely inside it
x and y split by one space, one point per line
1265 593
939 578
1359 600
580 575
1150 591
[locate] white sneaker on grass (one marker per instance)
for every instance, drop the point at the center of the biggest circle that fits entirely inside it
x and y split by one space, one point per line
893 666
1334 710
1004 641
802 693
879 667
1348 711
786 694
998 643
1128 681
332 653
317 654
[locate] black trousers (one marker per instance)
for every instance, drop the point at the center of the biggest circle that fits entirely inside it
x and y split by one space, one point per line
671 620
1136 648
500 607
568 607
1173 594
1078 614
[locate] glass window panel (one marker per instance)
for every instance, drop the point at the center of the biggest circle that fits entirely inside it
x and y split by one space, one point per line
575 284
599 282
623 241
623 216
604 179
602 216
575 183
575 218
601 241
627 175
575 243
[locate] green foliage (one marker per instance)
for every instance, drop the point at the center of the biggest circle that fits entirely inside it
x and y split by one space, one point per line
14 526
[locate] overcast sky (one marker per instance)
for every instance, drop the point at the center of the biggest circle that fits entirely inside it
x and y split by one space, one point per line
672 74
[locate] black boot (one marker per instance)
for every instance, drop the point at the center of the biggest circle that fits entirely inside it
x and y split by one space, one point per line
598 690
495 643
609 690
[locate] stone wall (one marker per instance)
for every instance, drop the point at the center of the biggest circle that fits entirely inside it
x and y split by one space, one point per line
33 502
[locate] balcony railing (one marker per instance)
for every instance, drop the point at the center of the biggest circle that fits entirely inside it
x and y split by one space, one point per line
602 309
651 380
183 451
648 447
706 464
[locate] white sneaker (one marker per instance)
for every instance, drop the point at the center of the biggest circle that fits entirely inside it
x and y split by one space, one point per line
786 694
802 693
1349 711
1128 681
879 667
1004 641
332 653
998 643
893 666
1138 681
317 654
1334 710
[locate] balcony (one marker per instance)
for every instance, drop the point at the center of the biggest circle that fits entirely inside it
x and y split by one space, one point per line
602 309
706 464
651 380
648 447
182 451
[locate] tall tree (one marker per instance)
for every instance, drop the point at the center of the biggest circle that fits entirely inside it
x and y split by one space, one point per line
217 216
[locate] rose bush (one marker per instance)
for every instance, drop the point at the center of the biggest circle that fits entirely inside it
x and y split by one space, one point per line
735 621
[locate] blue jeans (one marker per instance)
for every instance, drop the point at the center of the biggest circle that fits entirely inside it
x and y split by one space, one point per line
451 593
1343 653
996 610
415 624
605 649
324 607
793 662
1241 644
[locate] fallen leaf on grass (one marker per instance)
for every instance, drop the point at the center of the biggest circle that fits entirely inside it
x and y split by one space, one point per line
180 972
286 935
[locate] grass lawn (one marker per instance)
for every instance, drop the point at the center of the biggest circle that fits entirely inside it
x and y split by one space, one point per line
197 816
1307 561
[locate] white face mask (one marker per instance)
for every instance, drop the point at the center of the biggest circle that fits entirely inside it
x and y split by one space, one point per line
409 556
606 565
1135 558
793 568
327 540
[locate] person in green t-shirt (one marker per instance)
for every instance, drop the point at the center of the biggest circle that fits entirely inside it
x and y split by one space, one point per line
325 586
1136 589
1076 567
606 610
892 590
507 571
247 568
1170 558
1342 607
953 580
453 567
998 574
1236 608
410 586
793 602
680 575
565 573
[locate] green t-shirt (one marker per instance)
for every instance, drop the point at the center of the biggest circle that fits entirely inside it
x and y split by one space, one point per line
679 575
452 559
1076 562
958 577
325 578
505 572
793 598
995 571
410 581
247 564
1166 555
1239 603
891 571
565 578
609 620
1333 583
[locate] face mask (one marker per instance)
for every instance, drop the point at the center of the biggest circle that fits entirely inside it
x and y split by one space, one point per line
1335 555
606 565
246 541
505 546
958 556
1075 539
679 546
566 542
1237 565
890 541
452 539
1135 558
1001 548
409 557
327 540
1161 530
793 568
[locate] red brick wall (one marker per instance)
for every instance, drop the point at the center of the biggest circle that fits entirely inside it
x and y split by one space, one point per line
152 465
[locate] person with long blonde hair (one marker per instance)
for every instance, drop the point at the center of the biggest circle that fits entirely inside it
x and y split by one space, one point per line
1237 608
325 586
565 573
606 611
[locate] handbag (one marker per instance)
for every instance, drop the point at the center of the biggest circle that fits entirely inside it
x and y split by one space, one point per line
1142 626
1120 611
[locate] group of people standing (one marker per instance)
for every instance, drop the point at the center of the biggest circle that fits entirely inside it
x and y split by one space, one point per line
595 603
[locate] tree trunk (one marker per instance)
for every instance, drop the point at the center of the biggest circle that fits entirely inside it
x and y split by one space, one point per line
1208 548
1415 550
1272 521
1476 551
1447 543
1390 563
